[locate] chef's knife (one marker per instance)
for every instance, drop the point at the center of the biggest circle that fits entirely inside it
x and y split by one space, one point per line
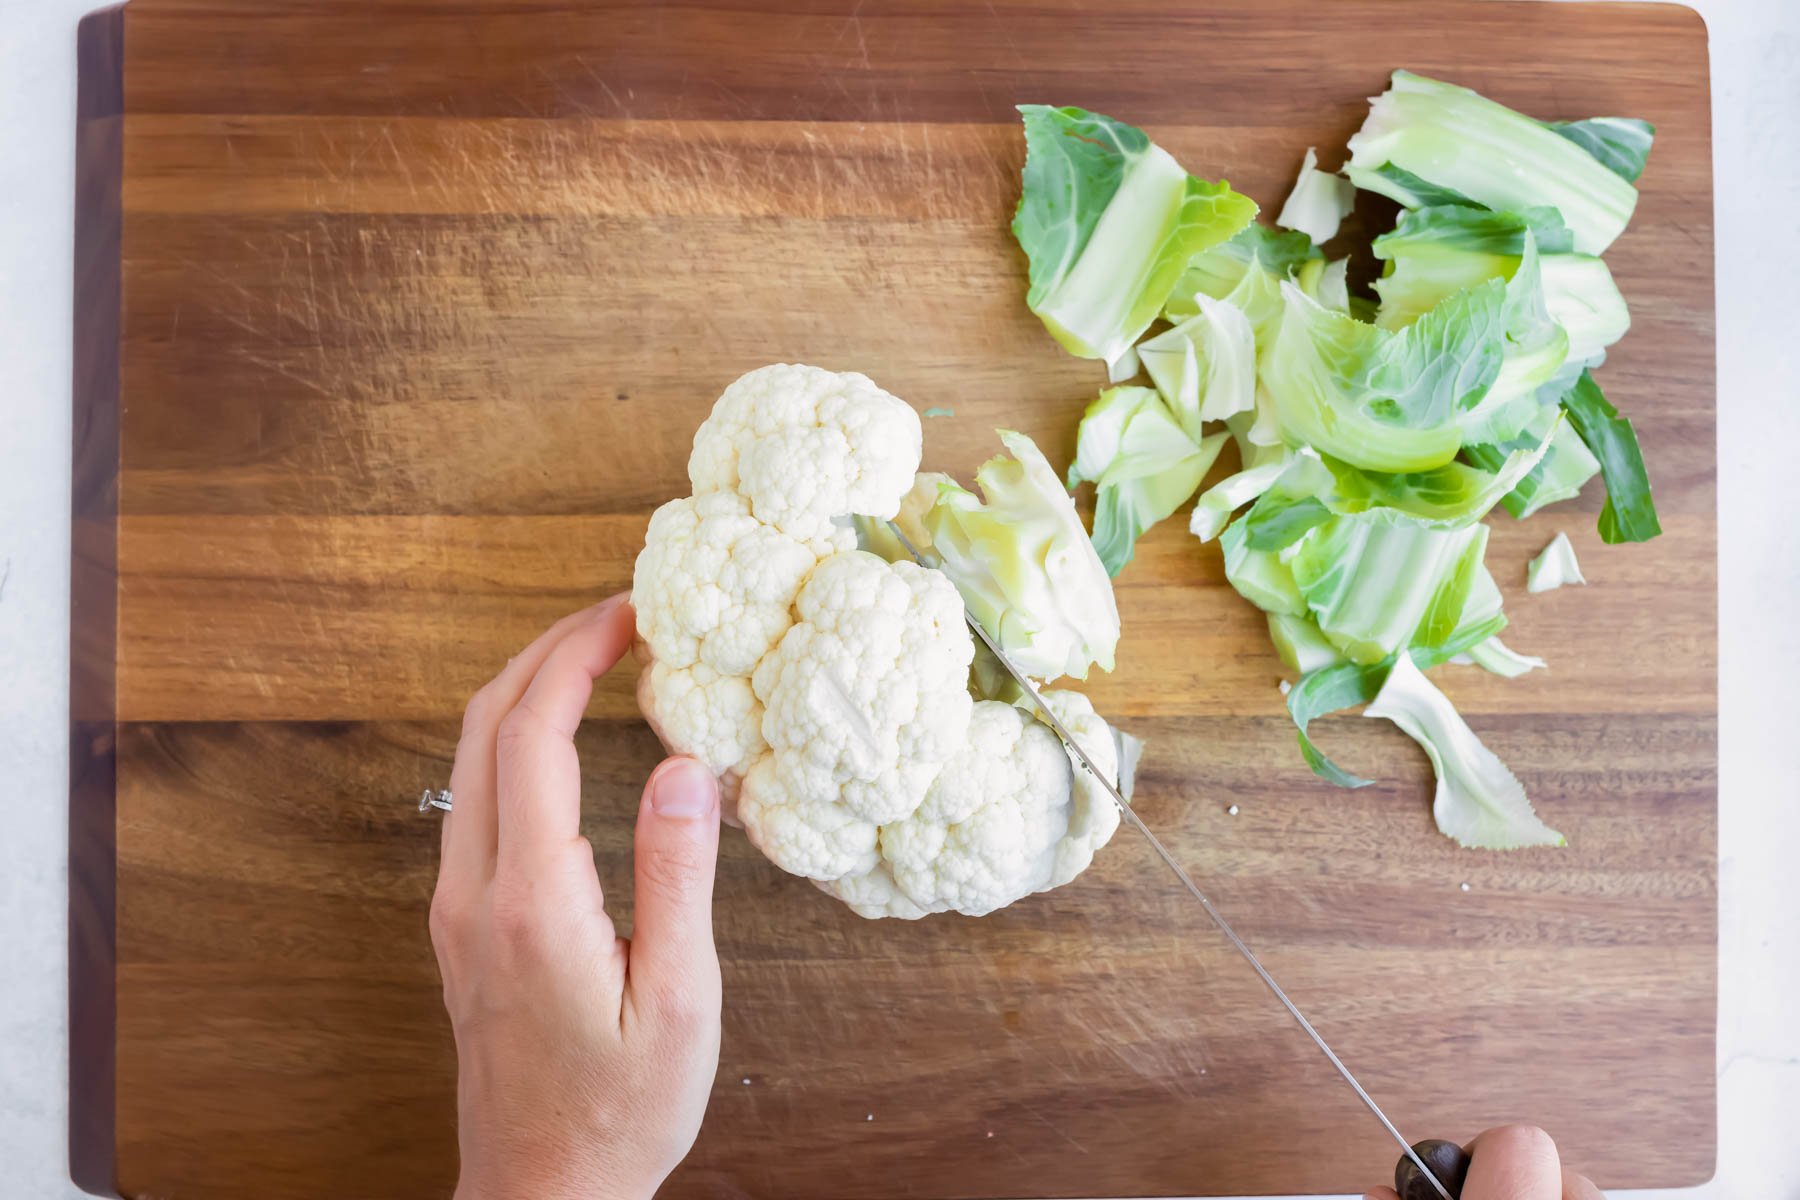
1447 1158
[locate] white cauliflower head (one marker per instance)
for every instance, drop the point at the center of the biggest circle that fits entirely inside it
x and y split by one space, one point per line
829 688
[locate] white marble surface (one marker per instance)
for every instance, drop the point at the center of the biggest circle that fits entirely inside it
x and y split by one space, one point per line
1756 120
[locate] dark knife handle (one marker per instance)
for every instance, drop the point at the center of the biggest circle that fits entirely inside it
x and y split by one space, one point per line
1447 1160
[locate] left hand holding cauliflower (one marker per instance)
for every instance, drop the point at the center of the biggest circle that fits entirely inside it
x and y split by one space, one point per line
829 688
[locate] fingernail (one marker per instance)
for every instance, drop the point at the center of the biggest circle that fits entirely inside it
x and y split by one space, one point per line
610 603
683 788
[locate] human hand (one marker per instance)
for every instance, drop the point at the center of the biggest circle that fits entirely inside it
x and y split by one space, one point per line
583 1060
1515 1162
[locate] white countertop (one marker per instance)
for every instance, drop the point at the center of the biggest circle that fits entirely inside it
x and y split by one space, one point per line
1756 151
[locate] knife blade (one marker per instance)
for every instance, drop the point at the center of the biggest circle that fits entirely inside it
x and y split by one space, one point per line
1130 817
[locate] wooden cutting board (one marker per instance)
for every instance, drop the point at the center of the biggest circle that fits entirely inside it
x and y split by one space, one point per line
397 317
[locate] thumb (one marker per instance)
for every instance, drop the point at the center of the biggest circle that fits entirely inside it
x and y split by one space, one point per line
1514 1162
674 968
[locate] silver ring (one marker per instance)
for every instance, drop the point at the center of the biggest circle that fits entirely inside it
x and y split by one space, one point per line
429 800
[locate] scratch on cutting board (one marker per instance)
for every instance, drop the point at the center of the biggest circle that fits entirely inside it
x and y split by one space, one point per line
312 291
853 25
282 369
5 574
578 106
1005 27
1035 1115
623 110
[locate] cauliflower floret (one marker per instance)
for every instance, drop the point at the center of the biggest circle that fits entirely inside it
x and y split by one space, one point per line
1011 814
986 832
864 699
806 446
712 717
871 685
801 827
714 585
714 591
1093 816
873 894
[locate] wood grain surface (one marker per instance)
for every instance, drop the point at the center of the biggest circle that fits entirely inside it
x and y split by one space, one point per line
422 302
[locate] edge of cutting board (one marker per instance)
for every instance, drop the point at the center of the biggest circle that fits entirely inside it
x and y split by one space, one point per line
93 597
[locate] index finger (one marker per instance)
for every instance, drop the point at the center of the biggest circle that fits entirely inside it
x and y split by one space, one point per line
470 829
537 772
